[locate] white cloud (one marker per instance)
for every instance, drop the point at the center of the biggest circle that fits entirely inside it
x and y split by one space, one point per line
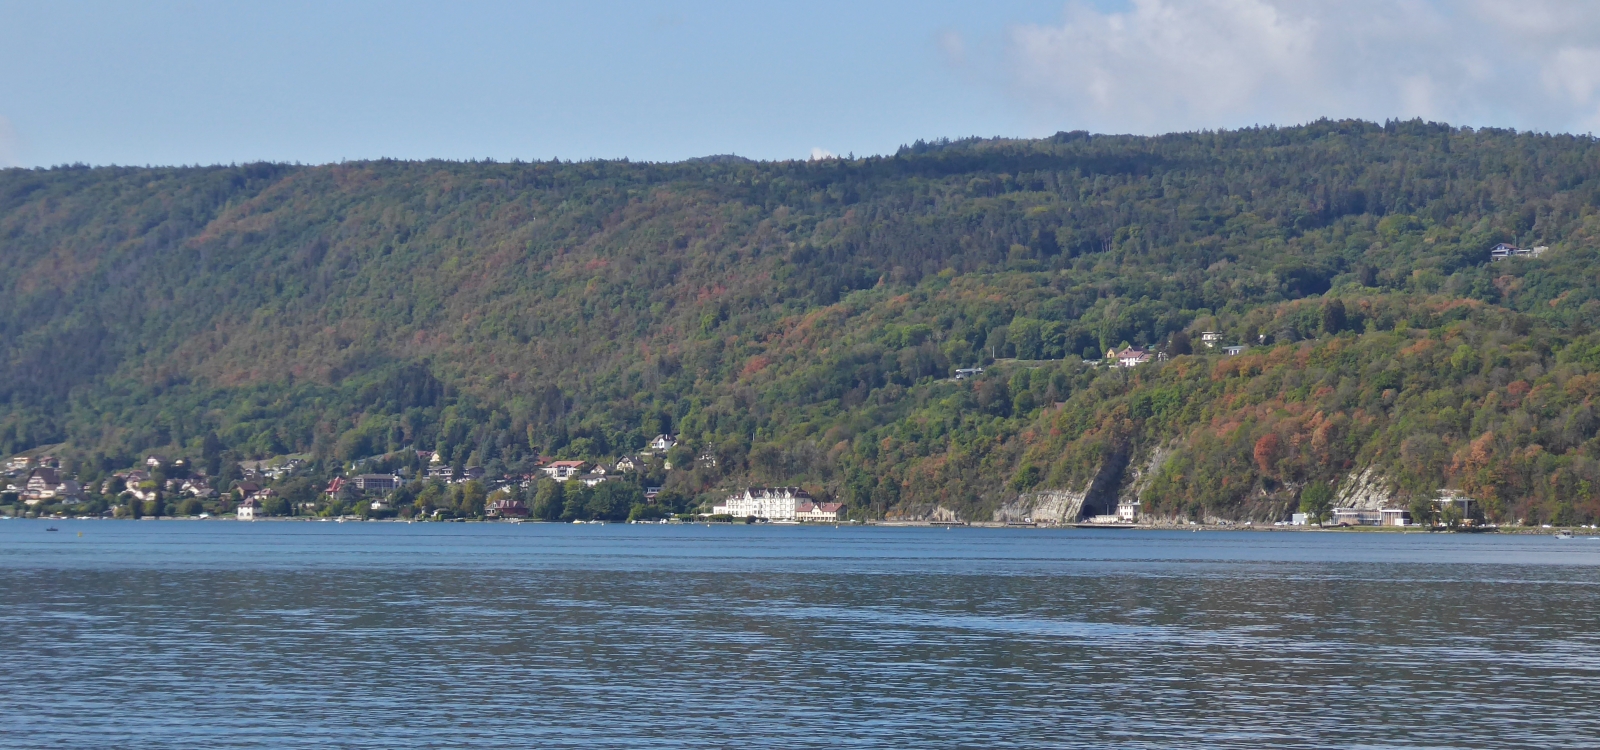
9 145
818 152
1165 65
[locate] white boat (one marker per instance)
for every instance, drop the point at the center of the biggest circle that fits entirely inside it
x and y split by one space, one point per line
1564 534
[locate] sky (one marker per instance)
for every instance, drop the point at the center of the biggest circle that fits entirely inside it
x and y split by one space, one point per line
168 83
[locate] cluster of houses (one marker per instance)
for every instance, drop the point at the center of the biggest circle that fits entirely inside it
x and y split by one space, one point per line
38 480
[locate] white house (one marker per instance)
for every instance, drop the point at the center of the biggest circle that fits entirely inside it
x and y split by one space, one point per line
968 372
561 471
1505 250
1128 357
1210 339
1127 512
819 512
770 503
379 482
247 509
662 443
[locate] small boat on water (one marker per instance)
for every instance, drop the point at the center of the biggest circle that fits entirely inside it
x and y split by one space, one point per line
51 528
1564 534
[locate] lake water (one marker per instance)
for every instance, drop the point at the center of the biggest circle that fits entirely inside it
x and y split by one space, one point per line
282 634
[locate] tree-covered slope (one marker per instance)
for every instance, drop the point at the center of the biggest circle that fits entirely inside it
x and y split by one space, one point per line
801 320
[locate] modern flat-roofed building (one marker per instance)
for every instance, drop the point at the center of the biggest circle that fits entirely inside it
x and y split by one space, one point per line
1357 517
378 482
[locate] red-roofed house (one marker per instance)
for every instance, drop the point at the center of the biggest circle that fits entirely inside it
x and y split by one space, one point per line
561 471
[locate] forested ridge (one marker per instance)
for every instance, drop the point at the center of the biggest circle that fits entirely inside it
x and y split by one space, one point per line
800 321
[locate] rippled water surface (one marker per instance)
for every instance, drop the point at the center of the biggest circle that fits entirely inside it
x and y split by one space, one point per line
220 634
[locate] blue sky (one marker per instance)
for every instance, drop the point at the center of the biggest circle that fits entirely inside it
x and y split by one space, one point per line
219 82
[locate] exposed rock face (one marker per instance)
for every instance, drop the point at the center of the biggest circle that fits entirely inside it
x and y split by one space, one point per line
920 512
1142 476
943 514
1368 490
1044 506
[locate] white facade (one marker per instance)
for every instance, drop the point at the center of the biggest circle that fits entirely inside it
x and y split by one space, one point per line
824 512
246 511
770 503
1127 513
663 443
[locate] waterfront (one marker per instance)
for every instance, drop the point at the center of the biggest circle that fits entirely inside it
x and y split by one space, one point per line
491 635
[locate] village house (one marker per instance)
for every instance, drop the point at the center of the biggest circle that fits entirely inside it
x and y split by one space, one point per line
1128 511
507 507
378 482
595 479
661 444
1128 357
247 509
968 372
651 493
627 463
197 488
1505 250
468 474
1233 351
561 471
441 472
19 463
44 483
1210 339
819 512
246 488
769 503
155 461
339 488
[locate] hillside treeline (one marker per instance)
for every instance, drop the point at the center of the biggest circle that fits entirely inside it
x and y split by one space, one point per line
798 322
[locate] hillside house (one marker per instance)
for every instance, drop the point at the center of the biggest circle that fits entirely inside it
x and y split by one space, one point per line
965 373
155 461
662 443
595 479
628 463
769 503
247 509
561 471
378 482
1506 250
1210 339
1128 357
1233 351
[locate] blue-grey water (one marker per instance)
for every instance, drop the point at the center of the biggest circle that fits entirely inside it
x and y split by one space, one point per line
223 635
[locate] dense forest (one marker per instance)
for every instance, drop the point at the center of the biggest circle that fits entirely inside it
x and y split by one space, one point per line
799 323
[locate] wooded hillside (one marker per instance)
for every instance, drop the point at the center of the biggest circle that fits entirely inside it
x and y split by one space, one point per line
801 321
